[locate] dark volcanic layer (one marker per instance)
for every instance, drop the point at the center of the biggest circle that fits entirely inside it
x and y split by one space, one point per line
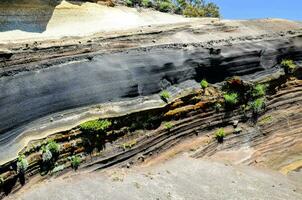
29 95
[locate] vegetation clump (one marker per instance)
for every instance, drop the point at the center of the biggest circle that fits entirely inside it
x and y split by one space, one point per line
164 6
165 95
204 84
231 99
147 3
46 155
95 126
288 65
200 9
168 125
258 105
265 120
259 90
129 145
49 151
22 165
219 135
75 162
53 147
188 8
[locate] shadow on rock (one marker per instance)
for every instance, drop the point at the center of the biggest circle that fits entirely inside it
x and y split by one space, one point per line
27 15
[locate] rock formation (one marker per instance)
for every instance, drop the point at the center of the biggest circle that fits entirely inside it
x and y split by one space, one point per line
50 86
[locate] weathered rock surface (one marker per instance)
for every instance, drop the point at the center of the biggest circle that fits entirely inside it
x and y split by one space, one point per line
181 178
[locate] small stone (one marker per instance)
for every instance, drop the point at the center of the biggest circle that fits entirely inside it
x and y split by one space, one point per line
141 158
51 119
238 130
206 92
235 123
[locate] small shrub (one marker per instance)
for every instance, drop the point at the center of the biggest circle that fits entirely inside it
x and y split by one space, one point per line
22 164
129 3
288 65
168 125
95 126
53 147
211 10
202 10
204 84
165 6
165 95
259 90
219 135
46 155
258 105
192 11
75 162
231 98
147 3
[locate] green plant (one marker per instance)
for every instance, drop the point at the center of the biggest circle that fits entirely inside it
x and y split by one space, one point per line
146 3
258 105
192 11
165 6
75 162
259 90
95 126
204 84
211 10
46 155
22 164
53 147
265 120
288 65
219 135
200 9
168 125
165 95
129 145
231 98
129 3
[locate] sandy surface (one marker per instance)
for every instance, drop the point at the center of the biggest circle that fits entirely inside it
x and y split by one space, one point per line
179 178
69 19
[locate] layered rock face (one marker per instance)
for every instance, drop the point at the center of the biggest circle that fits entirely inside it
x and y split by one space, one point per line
30 16
48 87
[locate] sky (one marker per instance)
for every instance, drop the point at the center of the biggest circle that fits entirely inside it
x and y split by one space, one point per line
251 9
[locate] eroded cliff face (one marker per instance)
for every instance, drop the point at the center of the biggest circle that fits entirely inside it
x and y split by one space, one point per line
49 87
